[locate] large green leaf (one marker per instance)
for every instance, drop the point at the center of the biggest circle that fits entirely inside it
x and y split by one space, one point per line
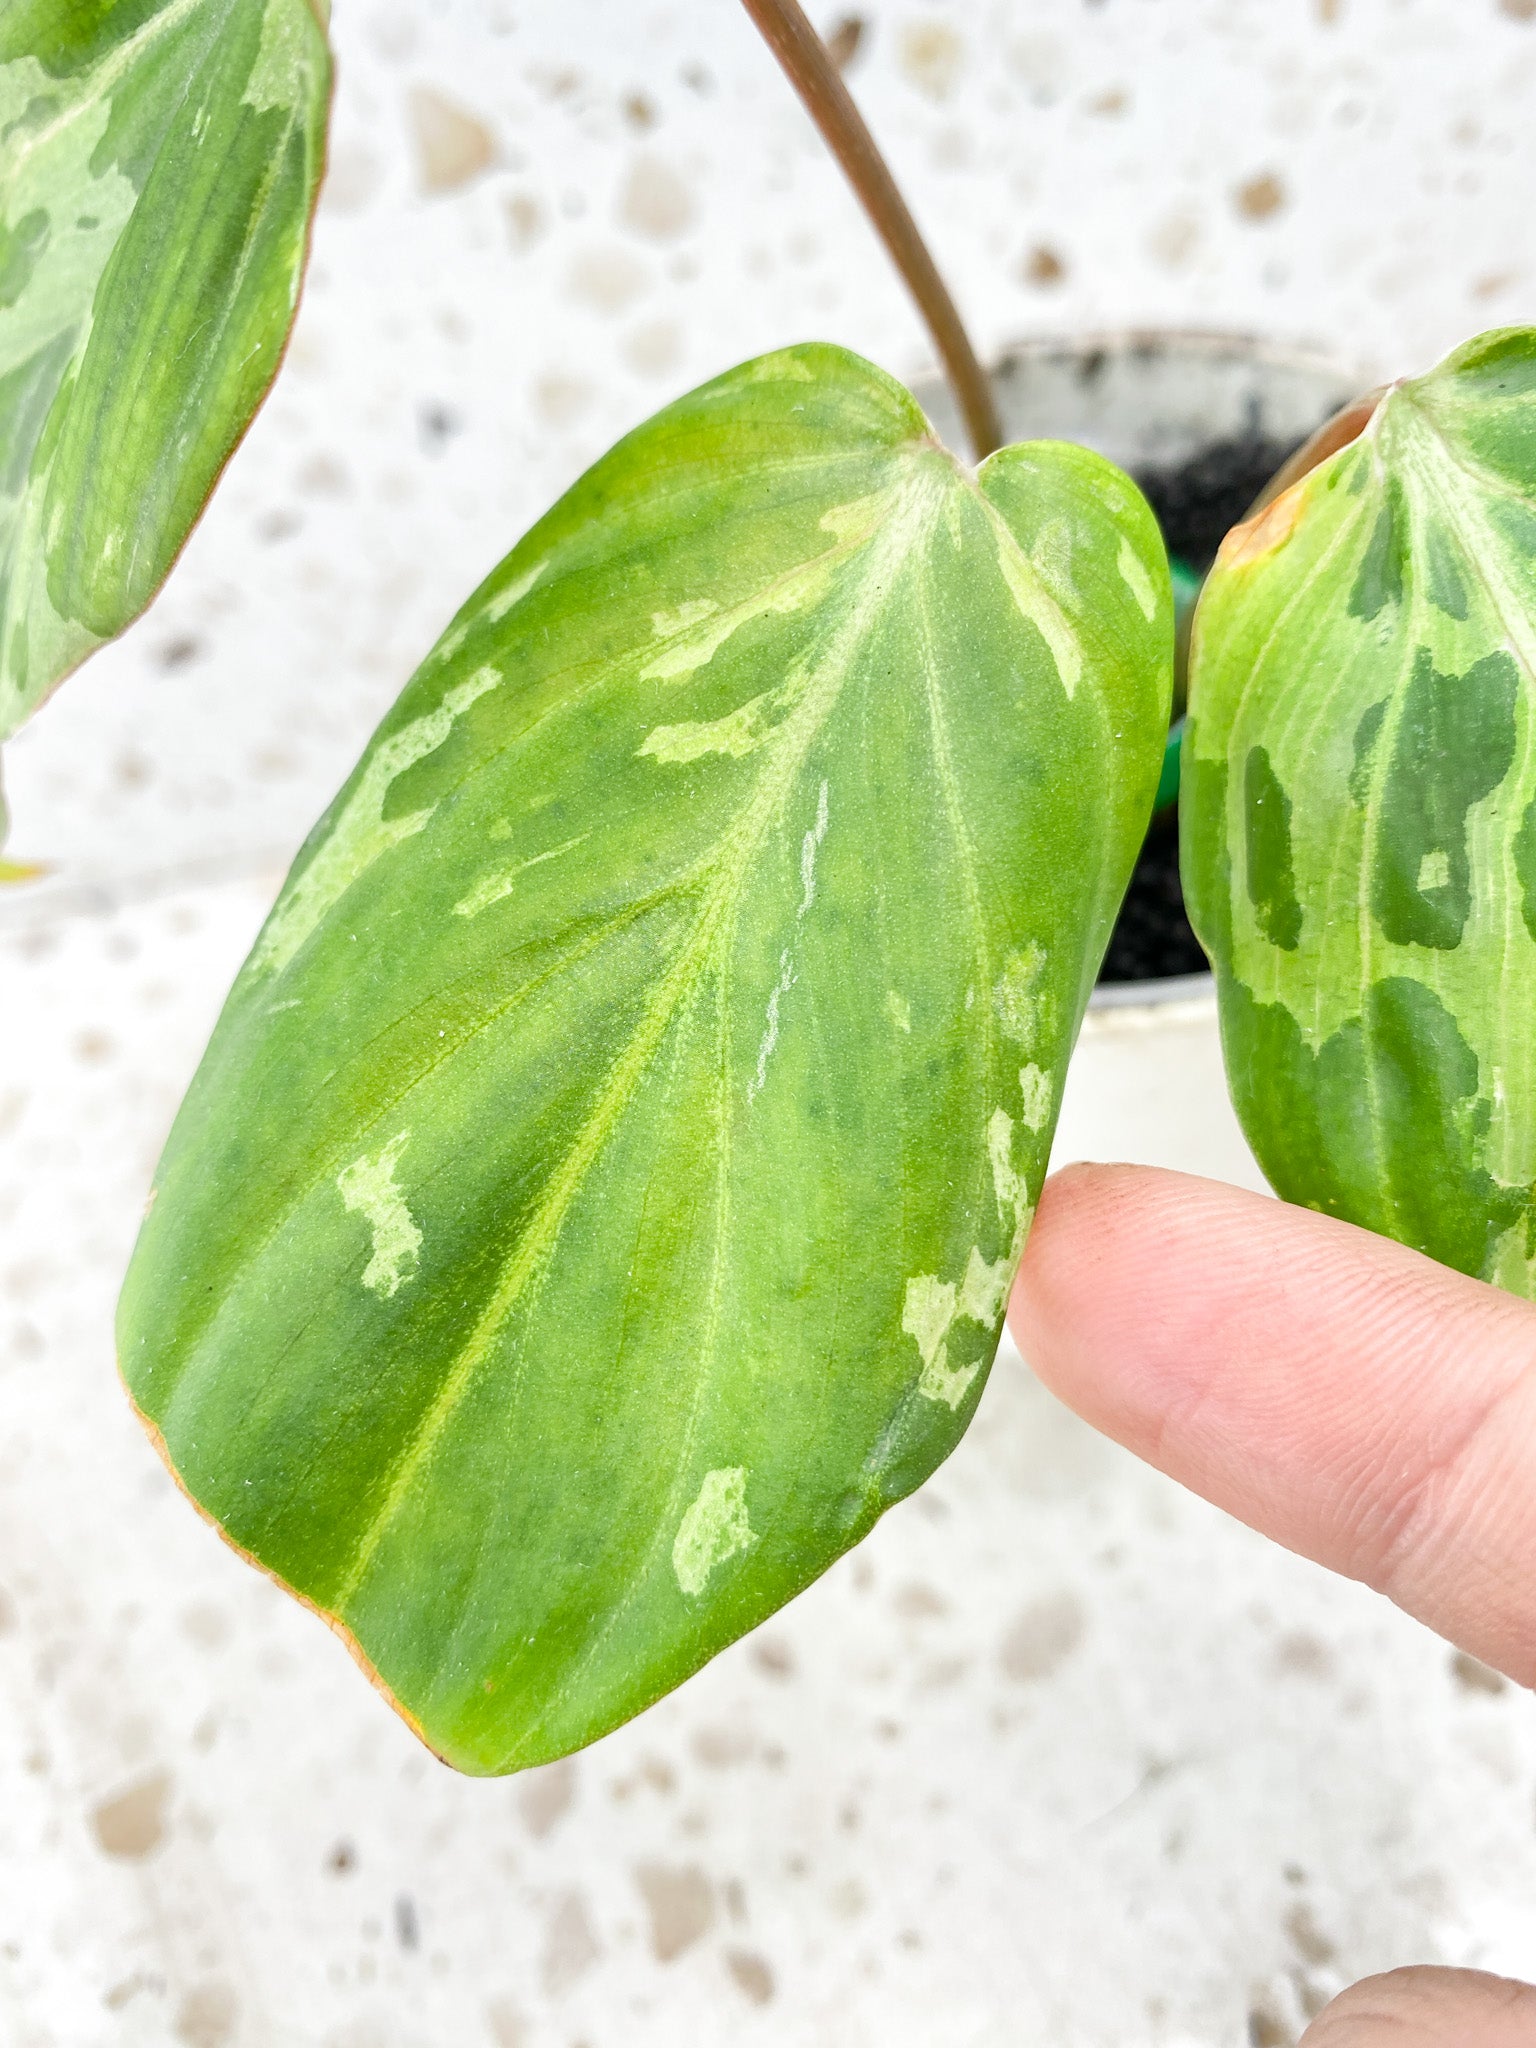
1360 823
598 1201
159 161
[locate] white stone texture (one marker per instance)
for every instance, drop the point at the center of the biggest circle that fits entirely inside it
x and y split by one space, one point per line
1060 1755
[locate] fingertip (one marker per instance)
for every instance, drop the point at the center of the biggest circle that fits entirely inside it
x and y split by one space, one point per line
1114 1301
1335 1390
1428 2008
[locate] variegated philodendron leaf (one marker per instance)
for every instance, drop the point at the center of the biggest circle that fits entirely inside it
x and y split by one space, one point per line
598 1201
159 161
1360 818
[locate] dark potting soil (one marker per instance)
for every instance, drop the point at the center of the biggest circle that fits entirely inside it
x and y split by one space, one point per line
1199 502
1196 503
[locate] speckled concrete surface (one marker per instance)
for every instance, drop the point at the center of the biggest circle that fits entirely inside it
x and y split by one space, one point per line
1060 1756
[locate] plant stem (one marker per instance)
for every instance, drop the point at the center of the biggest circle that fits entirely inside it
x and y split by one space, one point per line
803 55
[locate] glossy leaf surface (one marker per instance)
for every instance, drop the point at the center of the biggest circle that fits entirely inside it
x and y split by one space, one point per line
599 1198
159 161
1360 818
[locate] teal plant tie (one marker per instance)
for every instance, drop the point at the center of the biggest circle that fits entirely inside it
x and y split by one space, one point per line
1187 584
1168 781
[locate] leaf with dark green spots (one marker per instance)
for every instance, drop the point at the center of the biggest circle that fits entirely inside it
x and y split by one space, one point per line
1367 732
1442 572
1516 522
1376 651
1379 578
1452 745
1271 884
598 1201
1382 1124
159 162
1493 400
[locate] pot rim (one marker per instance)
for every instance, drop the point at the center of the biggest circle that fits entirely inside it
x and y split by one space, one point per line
1145 995
1150 338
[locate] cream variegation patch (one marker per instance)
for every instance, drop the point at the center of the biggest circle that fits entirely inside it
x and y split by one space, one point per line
1007 1181
1016 998
984 1288
810 846
666 625
504 600
369 1189
691 646
770 1037
494 888
1035 1090
362 833
783 366
930 1309
1051 553
283 54
714 1529
1434 870
737 734
1135 578
927 1312
1035 602
931 1306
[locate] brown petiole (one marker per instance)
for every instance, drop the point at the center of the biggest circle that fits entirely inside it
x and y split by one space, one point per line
809 67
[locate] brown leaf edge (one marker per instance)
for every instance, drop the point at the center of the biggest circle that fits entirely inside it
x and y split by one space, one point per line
333 1622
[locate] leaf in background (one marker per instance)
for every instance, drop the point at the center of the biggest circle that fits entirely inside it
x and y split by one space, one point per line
1360 818
598 1201
14 870
159 161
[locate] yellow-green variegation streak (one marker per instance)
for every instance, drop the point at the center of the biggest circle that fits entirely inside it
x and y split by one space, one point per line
598 1201
1360 818
159 161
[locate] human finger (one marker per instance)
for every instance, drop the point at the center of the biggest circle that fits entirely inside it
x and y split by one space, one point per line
1428 2008
1349 1397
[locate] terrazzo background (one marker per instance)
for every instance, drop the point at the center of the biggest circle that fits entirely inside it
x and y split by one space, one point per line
1060 1756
